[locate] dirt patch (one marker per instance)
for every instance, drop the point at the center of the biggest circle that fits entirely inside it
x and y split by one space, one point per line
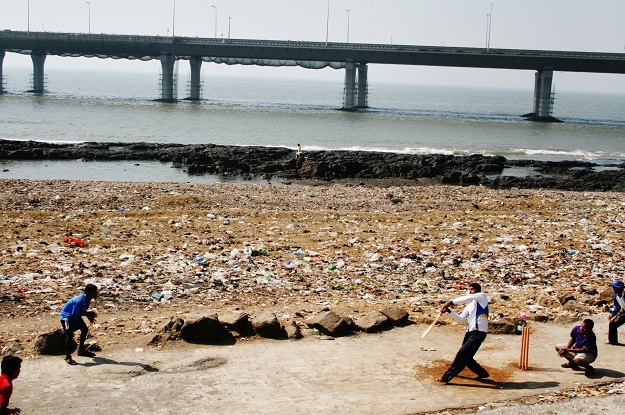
436 368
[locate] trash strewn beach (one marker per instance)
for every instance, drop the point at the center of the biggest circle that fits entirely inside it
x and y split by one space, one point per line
289 249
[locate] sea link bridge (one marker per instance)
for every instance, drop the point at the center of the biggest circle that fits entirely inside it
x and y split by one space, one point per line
352 57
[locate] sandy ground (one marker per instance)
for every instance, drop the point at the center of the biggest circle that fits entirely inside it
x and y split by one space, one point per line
392 372
159 251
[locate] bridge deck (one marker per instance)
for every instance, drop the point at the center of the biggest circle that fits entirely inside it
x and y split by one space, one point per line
152 47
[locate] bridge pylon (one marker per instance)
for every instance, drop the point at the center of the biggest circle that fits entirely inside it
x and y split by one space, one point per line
355 90
542 93
39 77
349 94
195 93
167 78
363 87
543 97
2 82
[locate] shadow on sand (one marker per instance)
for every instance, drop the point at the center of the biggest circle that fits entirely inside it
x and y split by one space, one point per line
493 384
601 373
97 361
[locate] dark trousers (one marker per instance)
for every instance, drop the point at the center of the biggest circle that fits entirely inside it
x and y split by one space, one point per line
464 358
69 328
613 330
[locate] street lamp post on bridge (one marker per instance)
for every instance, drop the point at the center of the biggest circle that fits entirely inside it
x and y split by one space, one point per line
328 22
489 17
347 10
215 7
173 22
486 41
89 4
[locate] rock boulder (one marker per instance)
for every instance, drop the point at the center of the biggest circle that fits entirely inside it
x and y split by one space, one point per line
373 322
330 323
206 330
266 325
52 343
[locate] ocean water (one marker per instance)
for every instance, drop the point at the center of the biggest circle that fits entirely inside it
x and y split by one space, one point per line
120 107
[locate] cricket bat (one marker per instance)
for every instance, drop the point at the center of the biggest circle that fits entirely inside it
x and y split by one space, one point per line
431 326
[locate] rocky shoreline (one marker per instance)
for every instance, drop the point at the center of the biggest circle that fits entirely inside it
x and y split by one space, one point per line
282 163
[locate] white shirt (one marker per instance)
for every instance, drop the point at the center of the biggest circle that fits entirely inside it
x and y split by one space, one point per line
621 301
475 313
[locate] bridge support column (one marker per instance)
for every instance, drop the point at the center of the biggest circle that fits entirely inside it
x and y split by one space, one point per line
542 93
2 87
167 78
363 89
196 87
39 76
349 95
543 97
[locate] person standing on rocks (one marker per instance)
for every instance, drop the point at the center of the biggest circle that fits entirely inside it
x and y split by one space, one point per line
581 350
11 367
298 155
617 317
475 314
71 321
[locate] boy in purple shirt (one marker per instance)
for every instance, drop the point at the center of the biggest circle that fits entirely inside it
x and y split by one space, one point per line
581 350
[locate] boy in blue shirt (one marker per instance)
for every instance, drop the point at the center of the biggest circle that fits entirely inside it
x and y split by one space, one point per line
71 321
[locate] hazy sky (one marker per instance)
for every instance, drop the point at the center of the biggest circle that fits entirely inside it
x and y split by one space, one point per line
515 24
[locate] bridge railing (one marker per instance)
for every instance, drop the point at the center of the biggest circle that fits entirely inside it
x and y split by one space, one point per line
9 34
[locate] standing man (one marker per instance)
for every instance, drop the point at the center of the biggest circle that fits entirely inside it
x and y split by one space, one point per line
617 317
475 314
11 367
581 350
71 321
